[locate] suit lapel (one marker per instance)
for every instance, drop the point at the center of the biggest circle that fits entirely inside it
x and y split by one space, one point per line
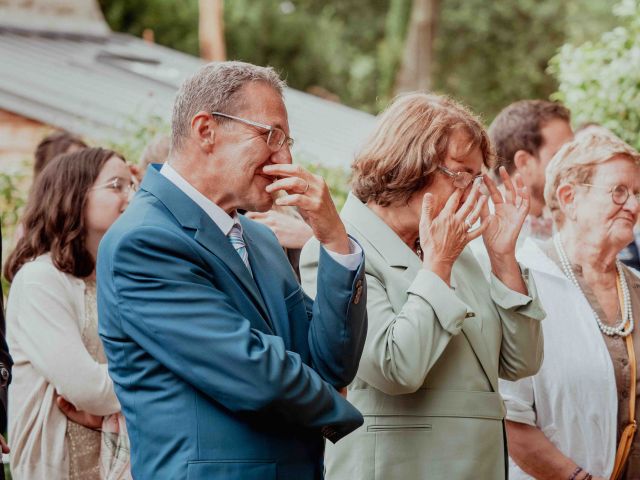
262 272
207 233
212 238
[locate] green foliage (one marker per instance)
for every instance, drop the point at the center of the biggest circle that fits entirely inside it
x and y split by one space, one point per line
337 179
13 195
140 133
490 54
600 80
487 54
175 24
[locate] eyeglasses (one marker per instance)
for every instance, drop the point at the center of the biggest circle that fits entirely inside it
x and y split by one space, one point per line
119 185
619 193
276 137
460 179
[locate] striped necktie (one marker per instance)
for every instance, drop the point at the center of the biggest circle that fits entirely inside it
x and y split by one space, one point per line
235 237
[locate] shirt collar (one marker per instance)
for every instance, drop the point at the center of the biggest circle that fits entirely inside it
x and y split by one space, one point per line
218 215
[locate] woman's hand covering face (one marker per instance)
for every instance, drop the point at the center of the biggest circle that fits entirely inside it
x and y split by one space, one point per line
511 209
444 236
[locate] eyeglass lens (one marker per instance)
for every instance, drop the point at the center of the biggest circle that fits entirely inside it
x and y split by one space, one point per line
620 194
276 139
462 180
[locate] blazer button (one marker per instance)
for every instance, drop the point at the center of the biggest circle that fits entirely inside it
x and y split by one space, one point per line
356 297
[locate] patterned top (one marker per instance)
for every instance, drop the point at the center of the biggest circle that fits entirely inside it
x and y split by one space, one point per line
84 443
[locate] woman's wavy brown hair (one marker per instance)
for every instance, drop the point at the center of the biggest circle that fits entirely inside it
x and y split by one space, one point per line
409 142
54 219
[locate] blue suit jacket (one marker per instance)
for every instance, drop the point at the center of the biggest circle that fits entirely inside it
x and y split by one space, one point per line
221 375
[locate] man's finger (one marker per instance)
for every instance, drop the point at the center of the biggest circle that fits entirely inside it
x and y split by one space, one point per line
289 184
285 170
303 202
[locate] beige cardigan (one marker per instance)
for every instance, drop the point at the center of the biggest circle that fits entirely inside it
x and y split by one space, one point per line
45 318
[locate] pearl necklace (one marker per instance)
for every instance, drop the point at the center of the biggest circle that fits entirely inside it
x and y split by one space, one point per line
627 314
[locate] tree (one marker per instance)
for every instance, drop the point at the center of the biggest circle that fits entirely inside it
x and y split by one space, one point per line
416 71
600 80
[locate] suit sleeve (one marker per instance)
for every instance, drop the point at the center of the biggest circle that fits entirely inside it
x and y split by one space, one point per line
168 304
338 327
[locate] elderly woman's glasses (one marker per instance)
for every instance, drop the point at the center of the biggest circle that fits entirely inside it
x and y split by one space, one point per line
118 185
619 193
460 179
276 137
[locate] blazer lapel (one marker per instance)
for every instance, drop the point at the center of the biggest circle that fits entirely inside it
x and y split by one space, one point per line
471 330
472 326
398 254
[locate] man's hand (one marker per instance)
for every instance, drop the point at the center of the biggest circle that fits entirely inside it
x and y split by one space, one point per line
78 416
291 232
311 195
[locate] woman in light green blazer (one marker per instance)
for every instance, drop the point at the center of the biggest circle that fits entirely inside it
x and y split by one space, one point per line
439 333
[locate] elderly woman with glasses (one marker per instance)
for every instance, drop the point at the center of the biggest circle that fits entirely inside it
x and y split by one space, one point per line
439 334
576 418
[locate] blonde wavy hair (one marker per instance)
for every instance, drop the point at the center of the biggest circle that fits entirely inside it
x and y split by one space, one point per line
410 141
575 163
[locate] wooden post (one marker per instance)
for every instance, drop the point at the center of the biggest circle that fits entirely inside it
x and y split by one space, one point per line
211 30
416 68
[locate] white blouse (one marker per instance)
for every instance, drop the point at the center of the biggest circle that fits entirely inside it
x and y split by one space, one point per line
573 399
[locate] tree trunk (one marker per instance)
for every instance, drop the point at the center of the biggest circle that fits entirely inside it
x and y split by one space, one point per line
417 62
211 30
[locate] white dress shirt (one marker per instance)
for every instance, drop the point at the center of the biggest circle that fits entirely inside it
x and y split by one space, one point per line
226 222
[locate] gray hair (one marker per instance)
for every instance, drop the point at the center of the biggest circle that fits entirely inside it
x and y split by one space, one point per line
214 87
575 163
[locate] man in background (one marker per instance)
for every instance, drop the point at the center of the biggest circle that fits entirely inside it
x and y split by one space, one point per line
526 135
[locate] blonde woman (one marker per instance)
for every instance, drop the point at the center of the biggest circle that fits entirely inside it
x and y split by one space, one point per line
574 418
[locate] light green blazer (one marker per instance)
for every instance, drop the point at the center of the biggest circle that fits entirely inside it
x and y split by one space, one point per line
427 383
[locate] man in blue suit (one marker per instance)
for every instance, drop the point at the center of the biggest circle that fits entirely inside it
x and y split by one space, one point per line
224 368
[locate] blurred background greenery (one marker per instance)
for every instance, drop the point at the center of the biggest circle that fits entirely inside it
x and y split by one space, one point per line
484 53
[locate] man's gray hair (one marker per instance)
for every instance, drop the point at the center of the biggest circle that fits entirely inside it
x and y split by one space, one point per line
214 88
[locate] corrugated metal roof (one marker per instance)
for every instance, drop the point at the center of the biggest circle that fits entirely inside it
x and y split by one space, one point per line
100 87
